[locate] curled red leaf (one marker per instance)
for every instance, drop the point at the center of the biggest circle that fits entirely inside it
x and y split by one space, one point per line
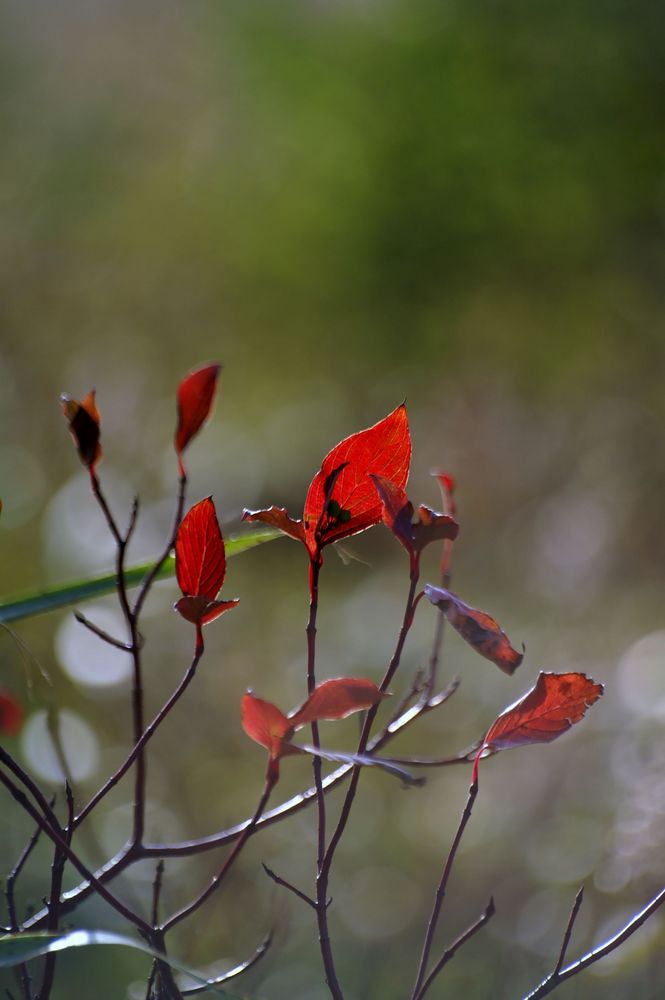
200 563
554 704
84 428
335 699
11 714
195 397
477 628
430 526
277 517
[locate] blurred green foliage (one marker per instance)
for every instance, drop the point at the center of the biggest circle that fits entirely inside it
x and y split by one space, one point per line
348 203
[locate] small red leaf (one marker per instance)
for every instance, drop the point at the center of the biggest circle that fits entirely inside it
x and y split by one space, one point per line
353 506
201 611
277 517
556 703
447 484
84 422
11 714
335 699
265 724
194 398
200 561
398 516
479 629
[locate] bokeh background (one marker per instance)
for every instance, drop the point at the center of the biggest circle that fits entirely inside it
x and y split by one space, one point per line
349 203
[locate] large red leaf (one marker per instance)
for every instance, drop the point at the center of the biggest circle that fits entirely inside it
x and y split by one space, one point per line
84 422
556 703
353 505
194 398
335 699
430 526
11 714
478 628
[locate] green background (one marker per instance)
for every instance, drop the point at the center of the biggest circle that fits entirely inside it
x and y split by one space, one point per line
348 204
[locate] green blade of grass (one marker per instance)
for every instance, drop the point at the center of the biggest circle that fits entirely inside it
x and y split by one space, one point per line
18 948
83 590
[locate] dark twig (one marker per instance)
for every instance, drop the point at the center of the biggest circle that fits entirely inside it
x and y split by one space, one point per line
555 978
450 951
148 732
112 641
219 877
57 872
156 892
441 891
569 930
10 885
152 575
236 971
288 885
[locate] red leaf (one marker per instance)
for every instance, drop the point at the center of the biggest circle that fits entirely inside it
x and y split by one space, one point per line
195 396
478 629
265 724
11 714
352 504
398 516
556 703
447 484
200 565
277 517
201 611
83 420
335 699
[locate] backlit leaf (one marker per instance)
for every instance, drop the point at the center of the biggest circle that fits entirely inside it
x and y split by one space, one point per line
554 704
335 699
84 422
265 724
478 628
447 485
11 714
200 563
194 399
382 450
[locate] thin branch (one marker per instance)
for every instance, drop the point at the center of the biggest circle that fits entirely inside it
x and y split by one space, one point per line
441 891
569 930
10 884
555 978
288 885
112 641
148 733
57 872
450 951
236 971
152 575
219 877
